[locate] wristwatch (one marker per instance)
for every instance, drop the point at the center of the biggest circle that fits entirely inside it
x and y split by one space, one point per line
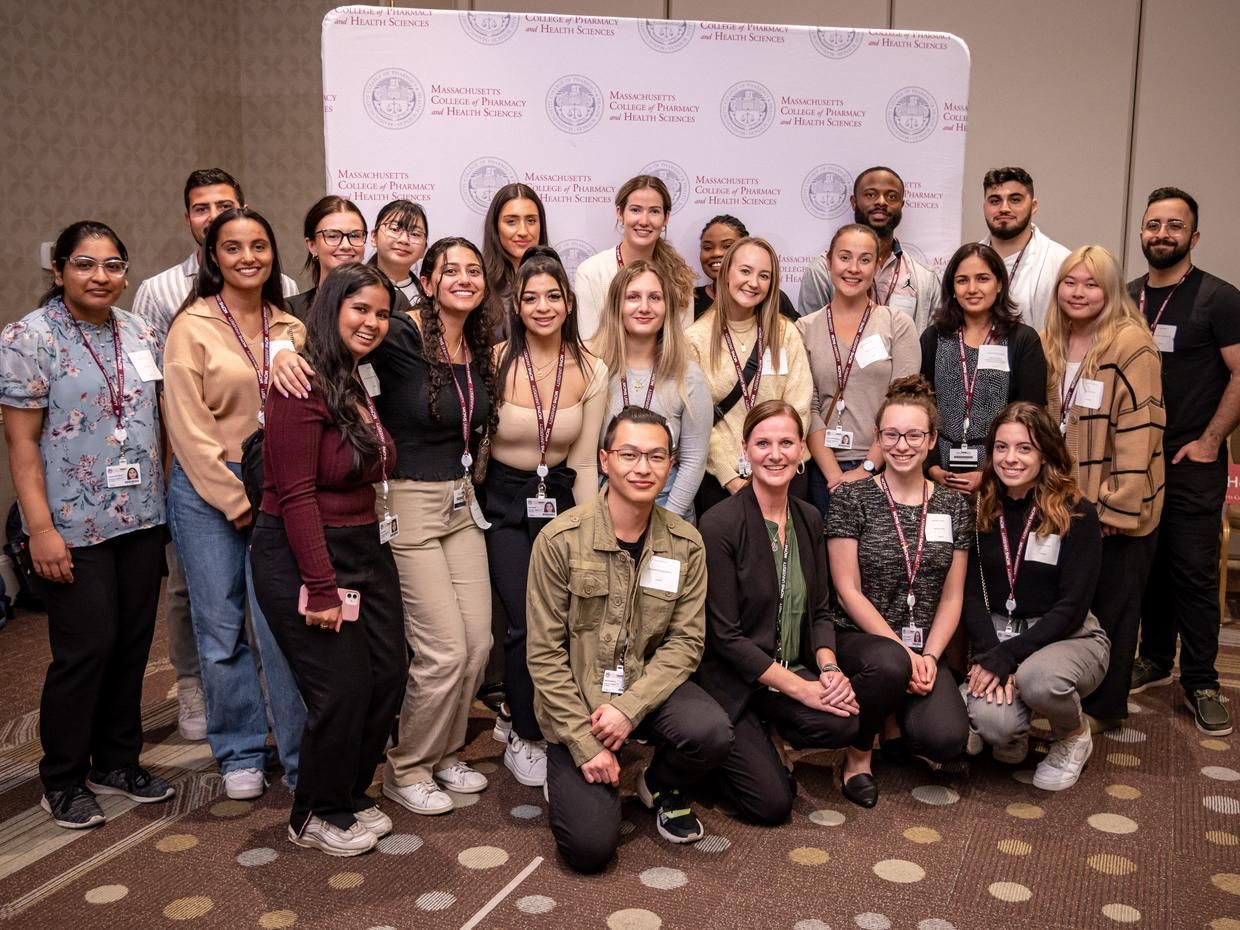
869 465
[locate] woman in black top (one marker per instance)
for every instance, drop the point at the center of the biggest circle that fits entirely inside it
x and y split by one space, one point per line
399 238
770 639
717 237
979 358
1036 647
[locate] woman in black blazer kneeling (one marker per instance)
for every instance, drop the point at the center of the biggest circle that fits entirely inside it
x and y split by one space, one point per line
770 639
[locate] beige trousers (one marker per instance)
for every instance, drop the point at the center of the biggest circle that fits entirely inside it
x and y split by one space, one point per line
445 585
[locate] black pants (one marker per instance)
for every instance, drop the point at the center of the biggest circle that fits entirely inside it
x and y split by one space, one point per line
100 627
352 681
692 736
1182 596
934 725
1122 576
753 778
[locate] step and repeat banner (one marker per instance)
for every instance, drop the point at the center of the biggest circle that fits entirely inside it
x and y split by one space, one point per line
768 123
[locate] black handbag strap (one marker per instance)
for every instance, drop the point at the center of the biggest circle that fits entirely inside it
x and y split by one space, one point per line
724 407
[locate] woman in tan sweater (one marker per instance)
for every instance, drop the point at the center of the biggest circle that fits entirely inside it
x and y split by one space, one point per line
1104 388
216 371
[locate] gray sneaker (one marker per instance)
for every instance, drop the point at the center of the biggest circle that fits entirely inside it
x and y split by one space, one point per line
133 782
74 808
1209 712
1145 674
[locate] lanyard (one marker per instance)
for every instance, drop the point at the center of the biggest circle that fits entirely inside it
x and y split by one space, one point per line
749 393
263 374
970 383
911 566
1016 264
382 434
1067 400
895 279
467 409
1013 568
619 257
544 427
783 586
624 390
116 396
843 371
1167 300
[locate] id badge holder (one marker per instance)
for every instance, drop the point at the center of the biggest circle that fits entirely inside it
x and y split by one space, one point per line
389 528
540 508
124 475
1009 632
912 636
613 680
839 439
458 497
964 458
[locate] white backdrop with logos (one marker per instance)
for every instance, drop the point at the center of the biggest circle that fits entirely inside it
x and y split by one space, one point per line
768 123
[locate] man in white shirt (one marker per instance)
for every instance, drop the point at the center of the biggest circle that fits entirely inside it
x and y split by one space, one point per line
1032 259
902 282
208 193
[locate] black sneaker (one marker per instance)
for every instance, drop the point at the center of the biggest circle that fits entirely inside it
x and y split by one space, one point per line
675 818
133 782
1209 712
74 808
1145 674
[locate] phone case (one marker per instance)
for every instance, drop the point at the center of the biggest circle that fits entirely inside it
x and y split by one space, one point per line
350 603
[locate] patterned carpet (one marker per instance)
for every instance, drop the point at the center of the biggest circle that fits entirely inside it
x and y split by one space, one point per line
1150 838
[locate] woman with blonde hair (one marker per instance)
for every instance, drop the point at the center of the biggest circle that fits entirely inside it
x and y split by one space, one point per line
749 353
652 367
1104 386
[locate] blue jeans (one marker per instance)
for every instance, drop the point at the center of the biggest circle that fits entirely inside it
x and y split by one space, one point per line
214 556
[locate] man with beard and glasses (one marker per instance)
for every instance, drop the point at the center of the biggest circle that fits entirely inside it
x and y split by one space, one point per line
1195 318
902 282
1032 258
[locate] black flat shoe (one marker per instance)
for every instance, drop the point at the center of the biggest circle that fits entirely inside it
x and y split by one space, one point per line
861 789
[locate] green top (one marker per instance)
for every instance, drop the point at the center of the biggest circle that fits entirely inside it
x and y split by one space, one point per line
795 596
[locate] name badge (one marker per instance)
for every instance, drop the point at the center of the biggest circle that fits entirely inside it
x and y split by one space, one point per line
1088 394
994 358
904 302
913 636
939 528
144 362
370 380
768 367
964 456
124 475
540 508
1006 633
1044 549
613 680
458 498
871 350
1164 337
661 574
389 528
839 439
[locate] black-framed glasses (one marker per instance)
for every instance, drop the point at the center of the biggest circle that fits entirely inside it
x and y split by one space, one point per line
85 266
891 437
631 456
333 236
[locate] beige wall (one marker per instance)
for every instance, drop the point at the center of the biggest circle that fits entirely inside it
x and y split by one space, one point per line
104 115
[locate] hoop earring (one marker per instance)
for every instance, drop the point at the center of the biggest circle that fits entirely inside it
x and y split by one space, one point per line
801 468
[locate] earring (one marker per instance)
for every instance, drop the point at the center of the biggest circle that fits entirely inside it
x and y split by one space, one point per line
800 468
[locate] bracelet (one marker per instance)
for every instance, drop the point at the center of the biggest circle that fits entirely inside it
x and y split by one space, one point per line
930 655
50 529
830 667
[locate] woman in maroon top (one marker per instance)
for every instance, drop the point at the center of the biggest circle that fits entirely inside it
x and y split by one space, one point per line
316 533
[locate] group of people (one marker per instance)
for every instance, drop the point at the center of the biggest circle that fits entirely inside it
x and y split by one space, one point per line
906 515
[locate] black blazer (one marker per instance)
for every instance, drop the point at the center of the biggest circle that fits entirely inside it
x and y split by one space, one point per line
742 595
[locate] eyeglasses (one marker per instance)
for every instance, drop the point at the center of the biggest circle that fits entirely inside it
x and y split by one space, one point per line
333 236
85 266
396 230
1172 226
630 456
888 196
891 437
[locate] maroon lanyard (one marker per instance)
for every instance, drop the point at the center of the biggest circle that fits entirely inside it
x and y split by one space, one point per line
544 426
1013 568
970 383
467 409
619 258
1066 405
749 393
116 395
1016 264
1158 316
895 279
624 390
382 434
264 373
911 566
843 371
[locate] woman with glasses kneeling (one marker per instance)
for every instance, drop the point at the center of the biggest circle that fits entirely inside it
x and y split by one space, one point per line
1036 647
770 640
898 553
323 571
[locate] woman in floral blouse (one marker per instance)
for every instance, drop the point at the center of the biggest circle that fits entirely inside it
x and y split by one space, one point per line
77 386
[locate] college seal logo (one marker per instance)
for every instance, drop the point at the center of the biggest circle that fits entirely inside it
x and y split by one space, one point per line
574 104
825 190
665 35
836 43
747 109
481 179
572 253
489 28
912 114
674 177
393 98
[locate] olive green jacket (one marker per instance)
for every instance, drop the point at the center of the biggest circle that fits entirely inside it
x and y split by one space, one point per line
583 595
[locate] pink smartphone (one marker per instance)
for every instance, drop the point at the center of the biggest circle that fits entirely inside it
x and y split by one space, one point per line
350 603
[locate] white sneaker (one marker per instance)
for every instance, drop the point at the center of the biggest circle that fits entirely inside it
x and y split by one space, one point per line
1013 753
422 798
1064 763
191 711
461 778
244 784
374 820
325 837
527 760
503 725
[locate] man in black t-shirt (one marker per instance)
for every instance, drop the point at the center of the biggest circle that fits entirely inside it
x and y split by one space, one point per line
1195 319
